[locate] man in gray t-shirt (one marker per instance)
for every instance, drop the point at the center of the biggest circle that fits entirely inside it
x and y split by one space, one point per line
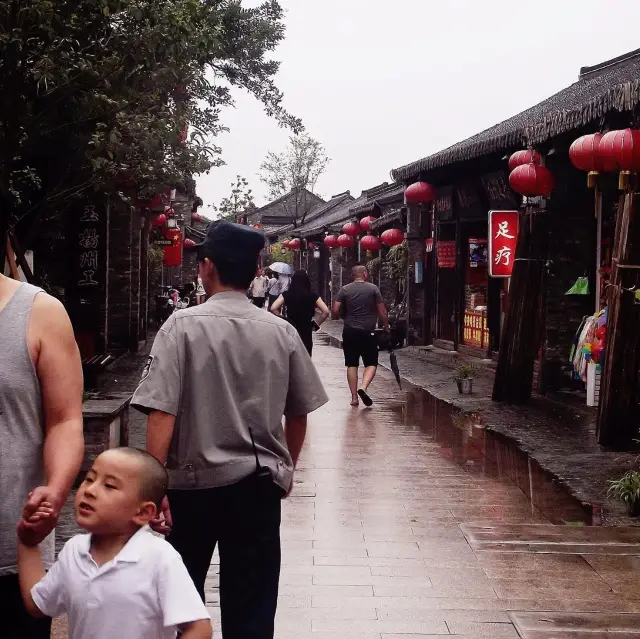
360 304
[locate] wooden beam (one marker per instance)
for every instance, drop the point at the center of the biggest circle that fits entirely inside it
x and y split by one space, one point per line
618 408
522 331
13 267
20 258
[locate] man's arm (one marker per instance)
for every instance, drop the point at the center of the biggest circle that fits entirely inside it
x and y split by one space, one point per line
336 310
160 427
383 315
59 371
295 431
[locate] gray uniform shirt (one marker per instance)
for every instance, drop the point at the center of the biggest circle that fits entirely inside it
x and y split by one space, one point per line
222 368
359 302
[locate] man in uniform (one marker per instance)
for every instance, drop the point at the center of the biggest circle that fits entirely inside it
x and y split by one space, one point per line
220 377
360 304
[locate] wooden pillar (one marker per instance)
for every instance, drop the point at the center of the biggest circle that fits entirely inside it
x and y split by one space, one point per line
523 324
617 412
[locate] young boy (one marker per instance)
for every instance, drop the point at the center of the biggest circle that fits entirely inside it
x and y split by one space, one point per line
119 581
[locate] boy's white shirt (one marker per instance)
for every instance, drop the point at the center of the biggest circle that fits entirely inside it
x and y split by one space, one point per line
145 592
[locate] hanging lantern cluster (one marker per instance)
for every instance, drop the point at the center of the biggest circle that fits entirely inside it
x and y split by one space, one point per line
293 245
351 229
188 243
392 237
365 223
420 193
526 156
159 221
612 151
528 177
370 243
331 242
346 241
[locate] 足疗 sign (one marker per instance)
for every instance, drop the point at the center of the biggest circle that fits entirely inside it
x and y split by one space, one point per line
503 238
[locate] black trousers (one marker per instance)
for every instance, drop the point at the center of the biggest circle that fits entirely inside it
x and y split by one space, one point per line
259 301
15 621
244 520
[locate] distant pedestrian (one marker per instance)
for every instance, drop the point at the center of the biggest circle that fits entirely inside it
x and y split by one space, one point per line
271 298
41 440
258 289
280 286
119 580
219 380
300 304
360 304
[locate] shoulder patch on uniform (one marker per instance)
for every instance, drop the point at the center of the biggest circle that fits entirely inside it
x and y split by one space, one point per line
147 368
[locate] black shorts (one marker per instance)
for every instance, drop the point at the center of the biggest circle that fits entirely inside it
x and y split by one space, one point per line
358 343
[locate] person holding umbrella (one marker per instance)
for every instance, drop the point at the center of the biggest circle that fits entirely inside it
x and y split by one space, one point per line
283 273
219 379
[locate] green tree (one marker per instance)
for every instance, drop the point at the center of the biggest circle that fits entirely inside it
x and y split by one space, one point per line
295 172
239 201
96 95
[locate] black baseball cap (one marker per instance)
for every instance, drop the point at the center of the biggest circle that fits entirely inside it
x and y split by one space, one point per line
233 243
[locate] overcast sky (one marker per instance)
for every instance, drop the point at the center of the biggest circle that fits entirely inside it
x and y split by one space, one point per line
383 83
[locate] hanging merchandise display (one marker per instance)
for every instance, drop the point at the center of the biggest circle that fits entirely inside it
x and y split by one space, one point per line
587 352
581 287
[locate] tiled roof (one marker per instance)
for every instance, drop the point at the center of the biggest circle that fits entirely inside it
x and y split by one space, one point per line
611 86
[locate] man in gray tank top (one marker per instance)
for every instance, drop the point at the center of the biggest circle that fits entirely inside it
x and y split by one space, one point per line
41 441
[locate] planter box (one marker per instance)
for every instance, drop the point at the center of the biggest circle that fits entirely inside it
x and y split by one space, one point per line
106 425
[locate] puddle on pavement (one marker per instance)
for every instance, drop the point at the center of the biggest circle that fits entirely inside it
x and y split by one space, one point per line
463 439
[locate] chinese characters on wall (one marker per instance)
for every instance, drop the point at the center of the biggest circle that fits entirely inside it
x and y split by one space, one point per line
503 238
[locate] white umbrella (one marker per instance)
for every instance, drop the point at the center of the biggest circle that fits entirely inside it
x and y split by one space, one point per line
281 268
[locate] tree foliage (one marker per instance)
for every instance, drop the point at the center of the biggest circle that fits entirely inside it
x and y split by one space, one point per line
295 171
239 201
95 95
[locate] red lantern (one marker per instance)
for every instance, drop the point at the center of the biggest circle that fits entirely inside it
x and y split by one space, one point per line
392 237
294 244
331 241
188 243
623 149
365 222
196 217
531 180
419 193
173 253
346 241
351 228
286 243
159 221
370 243
586 154
526 156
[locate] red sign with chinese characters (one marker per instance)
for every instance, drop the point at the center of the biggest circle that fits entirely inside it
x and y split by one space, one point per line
446 251
503 237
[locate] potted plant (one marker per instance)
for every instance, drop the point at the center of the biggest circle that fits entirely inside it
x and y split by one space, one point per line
627 490
463 377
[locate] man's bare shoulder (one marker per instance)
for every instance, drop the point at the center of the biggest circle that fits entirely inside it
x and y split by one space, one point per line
49 308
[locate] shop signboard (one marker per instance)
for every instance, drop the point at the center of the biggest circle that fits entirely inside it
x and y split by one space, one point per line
503 238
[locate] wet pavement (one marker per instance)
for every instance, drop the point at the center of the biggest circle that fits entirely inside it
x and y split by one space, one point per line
404 524
410 520
557 436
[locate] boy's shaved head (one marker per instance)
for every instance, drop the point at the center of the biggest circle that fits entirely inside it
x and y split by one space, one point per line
154 480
